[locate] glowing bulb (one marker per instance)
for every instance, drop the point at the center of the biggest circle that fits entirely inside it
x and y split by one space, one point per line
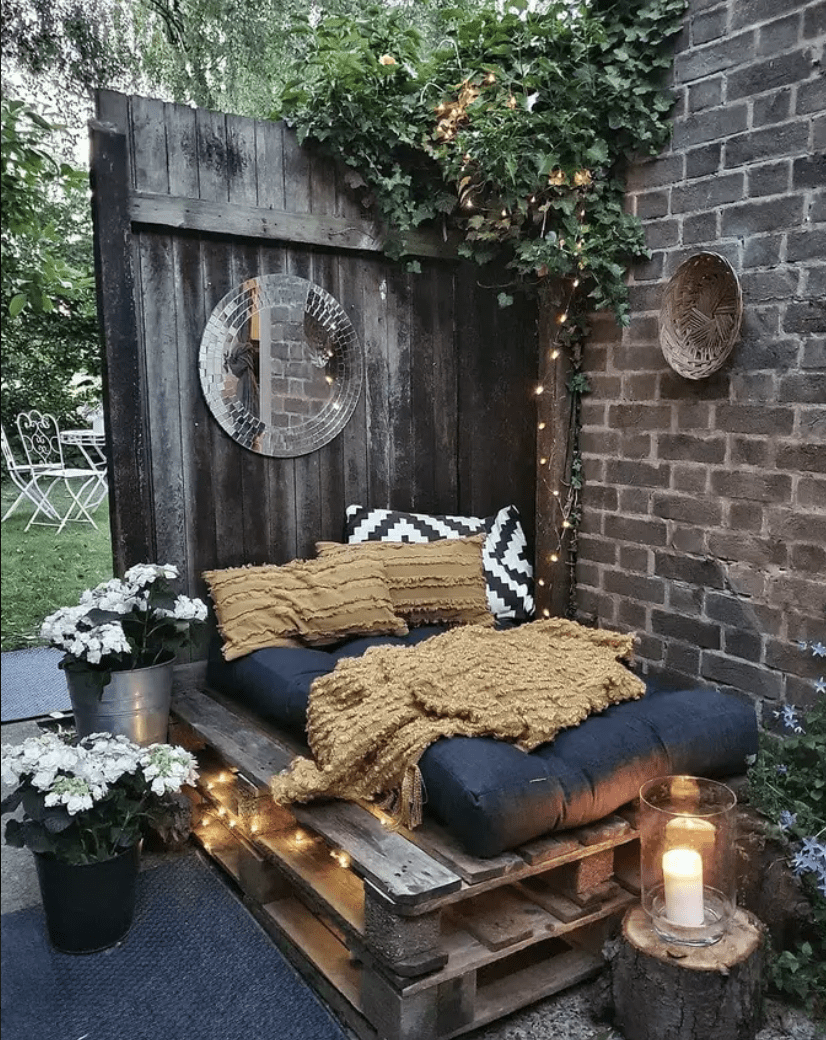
541 581
546 612
254 828
329 380
299 837
556 494
532 198
221 811
562 243
563 317
208 846
504 212
541 426
554 355
576 282
232 823
565 523
554 558
539 390
542 462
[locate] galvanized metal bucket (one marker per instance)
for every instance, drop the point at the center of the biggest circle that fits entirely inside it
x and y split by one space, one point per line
134 703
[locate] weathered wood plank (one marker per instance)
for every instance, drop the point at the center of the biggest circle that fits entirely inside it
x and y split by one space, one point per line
149 145
441 845
553 576
394 866
326 886
240 744
130 494
163 420
537 980
191 414
543 850
249 221
501 918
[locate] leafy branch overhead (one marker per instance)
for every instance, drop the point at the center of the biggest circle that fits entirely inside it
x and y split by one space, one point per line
513 133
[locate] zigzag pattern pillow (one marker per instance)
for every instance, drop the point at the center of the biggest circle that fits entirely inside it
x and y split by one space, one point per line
508 571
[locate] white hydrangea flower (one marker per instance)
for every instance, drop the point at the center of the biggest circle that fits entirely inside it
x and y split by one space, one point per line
73 792
147 573
168 768
187 609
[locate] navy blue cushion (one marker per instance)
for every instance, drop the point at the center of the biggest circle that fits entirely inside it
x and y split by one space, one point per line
275 682
490 795
493 797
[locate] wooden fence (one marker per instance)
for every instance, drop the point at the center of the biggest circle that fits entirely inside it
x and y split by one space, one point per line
190 203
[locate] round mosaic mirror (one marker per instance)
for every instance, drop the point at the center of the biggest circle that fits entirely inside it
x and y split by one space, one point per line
280 365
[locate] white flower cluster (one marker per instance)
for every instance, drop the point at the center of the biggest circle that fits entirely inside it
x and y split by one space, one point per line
168 768
78 776
120 618
69 629
186 609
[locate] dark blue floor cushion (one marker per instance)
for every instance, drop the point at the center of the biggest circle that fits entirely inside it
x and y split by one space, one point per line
490 795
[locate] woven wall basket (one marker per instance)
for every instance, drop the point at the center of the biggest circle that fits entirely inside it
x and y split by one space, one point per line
700 315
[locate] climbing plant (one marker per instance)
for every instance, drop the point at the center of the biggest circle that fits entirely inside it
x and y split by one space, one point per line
512 133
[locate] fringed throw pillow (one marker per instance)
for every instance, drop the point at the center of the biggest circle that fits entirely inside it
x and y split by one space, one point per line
319 601
508 570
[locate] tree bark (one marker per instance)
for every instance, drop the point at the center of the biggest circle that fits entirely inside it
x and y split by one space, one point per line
667 991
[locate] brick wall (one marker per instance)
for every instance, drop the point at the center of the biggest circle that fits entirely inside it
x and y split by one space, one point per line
704 524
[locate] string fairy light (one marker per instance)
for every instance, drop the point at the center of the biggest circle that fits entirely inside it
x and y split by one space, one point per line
565 515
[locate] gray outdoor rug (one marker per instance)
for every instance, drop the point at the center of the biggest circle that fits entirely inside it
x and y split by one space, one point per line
195 966
32 684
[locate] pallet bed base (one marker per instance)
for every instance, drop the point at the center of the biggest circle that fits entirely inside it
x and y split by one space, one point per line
402 933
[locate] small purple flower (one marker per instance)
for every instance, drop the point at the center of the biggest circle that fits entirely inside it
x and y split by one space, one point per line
789 717
787 819
782 769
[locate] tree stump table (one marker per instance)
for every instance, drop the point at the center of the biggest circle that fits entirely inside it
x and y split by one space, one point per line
667 991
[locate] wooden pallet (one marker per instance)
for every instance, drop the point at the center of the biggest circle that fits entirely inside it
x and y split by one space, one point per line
404 934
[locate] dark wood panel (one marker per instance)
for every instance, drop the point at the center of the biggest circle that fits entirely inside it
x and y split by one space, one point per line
130 495
163 419
444 422
149 145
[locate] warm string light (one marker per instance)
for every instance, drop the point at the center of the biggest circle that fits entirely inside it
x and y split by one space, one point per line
561 522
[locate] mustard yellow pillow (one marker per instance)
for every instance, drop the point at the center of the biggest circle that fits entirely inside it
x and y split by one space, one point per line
429 582
319 601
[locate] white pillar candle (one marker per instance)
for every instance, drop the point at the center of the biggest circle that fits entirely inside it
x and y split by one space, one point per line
683 886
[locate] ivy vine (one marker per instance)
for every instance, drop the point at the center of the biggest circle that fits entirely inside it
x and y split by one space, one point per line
512 133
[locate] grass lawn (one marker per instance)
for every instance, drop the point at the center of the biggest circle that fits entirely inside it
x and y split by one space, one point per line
44 570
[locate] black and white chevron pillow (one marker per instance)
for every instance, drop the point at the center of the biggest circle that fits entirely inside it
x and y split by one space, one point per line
508 571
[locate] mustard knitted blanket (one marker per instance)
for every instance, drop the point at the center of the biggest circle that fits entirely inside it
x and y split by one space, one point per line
370 719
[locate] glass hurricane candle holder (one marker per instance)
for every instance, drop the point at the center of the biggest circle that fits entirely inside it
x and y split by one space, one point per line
687 858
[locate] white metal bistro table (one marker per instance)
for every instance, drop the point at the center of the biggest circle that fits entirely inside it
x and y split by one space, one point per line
92 445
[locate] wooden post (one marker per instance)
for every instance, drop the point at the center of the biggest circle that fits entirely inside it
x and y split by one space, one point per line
553 430
667 991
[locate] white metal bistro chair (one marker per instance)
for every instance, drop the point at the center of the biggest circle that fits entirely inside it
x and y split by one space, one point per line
40 435
22 477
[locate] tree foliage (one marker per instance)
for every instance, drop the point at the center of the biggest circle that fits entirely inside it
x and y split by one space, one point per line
47 314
